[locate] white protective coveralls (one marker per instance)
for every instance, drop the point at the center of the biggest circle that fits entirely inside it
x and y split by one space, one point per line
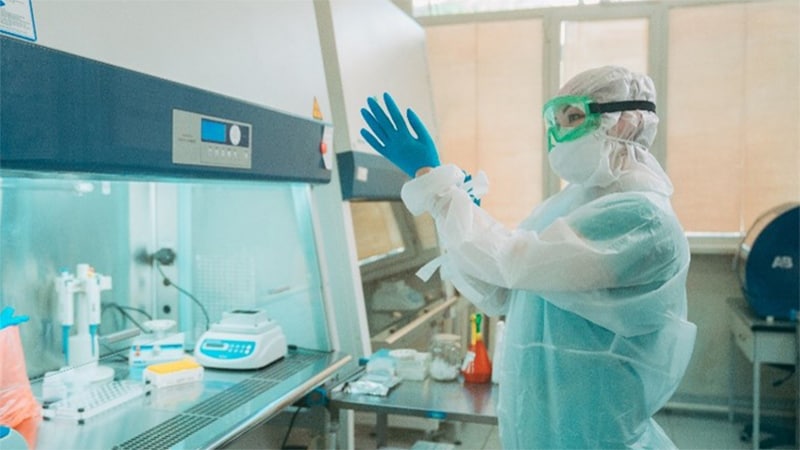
592 284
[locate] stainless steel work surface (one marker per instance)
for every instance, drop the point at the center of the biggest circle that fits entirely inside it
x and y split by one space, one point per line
204 414
443 400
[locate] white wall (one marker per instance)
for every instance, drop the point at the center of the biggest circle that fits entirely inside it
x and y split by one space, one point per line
711 282
264 52
375 48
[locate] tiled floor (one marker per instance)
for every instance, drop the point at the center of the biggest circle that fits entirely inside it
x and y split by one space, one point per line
688 431
716 432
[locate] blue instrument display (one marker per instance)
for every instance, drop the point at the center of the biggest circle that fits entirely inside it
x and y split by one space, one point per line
227 349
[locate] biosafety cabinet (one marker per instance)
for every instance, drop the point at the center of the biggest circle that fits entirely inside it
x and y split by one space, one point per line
187 197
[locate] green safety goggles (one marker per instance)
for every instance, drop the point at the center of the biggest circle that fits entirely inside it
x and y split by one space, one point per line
569 117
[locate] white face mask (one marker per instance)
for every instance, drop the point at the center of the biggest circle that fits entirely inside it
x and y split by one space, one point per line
576 161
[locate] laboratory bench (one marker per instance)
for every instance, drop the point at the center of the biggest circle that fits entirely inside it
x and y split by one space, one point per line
202 414
432 399
761 341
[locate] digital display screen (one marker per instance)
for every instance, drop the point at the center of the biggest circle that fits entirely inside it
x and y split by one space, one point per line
211 131
214 345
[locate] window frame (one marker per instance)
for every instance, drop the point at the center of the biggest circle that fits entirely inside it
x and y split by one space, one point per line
657 13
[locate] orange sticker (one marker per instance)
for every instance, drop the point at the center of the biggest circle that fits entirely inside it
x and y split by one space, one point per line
316 113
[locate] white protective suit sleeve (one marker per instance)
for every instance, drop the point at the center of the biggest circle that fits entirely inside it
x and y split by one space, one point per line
621 241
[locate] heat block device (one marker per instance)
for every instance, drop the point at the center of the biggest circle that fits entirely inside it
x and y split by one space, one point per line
243 339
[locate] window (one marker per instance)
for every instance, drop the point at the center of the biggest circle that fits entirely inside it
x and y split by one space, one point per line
587 44
441 7
487 84
728 80
733 148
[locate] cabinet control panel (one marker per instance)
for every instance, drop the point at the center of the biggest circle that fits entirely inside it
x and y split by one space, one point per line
210 141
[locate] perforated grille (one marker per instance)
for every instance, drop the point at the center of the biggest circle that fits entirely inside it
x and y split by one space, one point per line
178 428
167 434
280 372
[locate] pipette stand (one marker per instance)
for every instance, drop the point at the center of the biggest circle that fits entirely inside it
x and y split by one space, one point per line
79 311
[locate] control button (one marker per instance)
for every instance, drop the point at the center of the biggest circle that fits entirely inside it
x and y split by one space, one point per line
235 134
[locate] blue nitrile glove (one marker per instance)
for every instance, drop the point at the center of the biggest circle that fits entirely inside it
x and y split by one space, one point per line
390 136
7 318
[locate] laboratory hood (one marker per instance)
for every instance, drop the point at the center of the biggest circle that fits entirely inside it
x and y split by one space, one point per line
64 113
102 170
102 167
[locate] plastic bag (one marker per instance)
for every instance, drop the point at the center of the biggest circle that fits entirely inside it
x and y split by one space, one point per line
18 408
372 384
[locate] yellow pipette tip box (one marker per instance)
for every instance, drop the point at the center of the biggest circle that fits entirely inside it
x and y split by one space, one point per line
171 373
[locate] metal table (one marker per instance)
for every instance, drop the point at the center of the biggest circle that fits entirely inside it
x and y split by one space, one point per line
441 400
762 342
206 414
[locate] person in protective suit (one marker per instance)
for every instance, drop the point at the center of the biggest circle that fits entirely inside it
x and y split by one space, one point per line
592 283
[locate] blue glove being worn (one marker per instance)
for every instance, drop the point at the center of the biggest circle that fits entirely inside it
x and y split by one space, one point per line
7 318
390 136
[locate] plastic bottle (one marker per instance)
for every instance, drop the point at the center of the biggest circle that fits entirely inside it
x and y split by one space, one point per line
497 357
477 367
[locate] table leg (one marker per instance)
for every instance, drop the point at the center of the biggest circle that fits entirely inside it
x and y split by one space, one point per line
333 429
731 352
756 403
381 427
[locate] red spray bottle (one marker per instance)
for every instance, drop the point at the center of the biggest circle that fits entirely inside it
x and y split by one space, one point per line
477 367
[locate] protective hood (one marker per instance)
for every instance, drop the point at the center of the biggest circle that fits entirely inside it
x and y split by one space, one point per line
622 139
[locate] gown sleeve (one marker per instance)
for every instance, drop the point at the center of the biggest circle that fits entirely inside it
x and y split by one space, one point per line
604 257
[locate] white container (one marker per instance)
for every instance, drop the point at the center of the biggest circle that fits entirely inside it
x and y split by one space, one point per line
410 364
173 373
497 357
